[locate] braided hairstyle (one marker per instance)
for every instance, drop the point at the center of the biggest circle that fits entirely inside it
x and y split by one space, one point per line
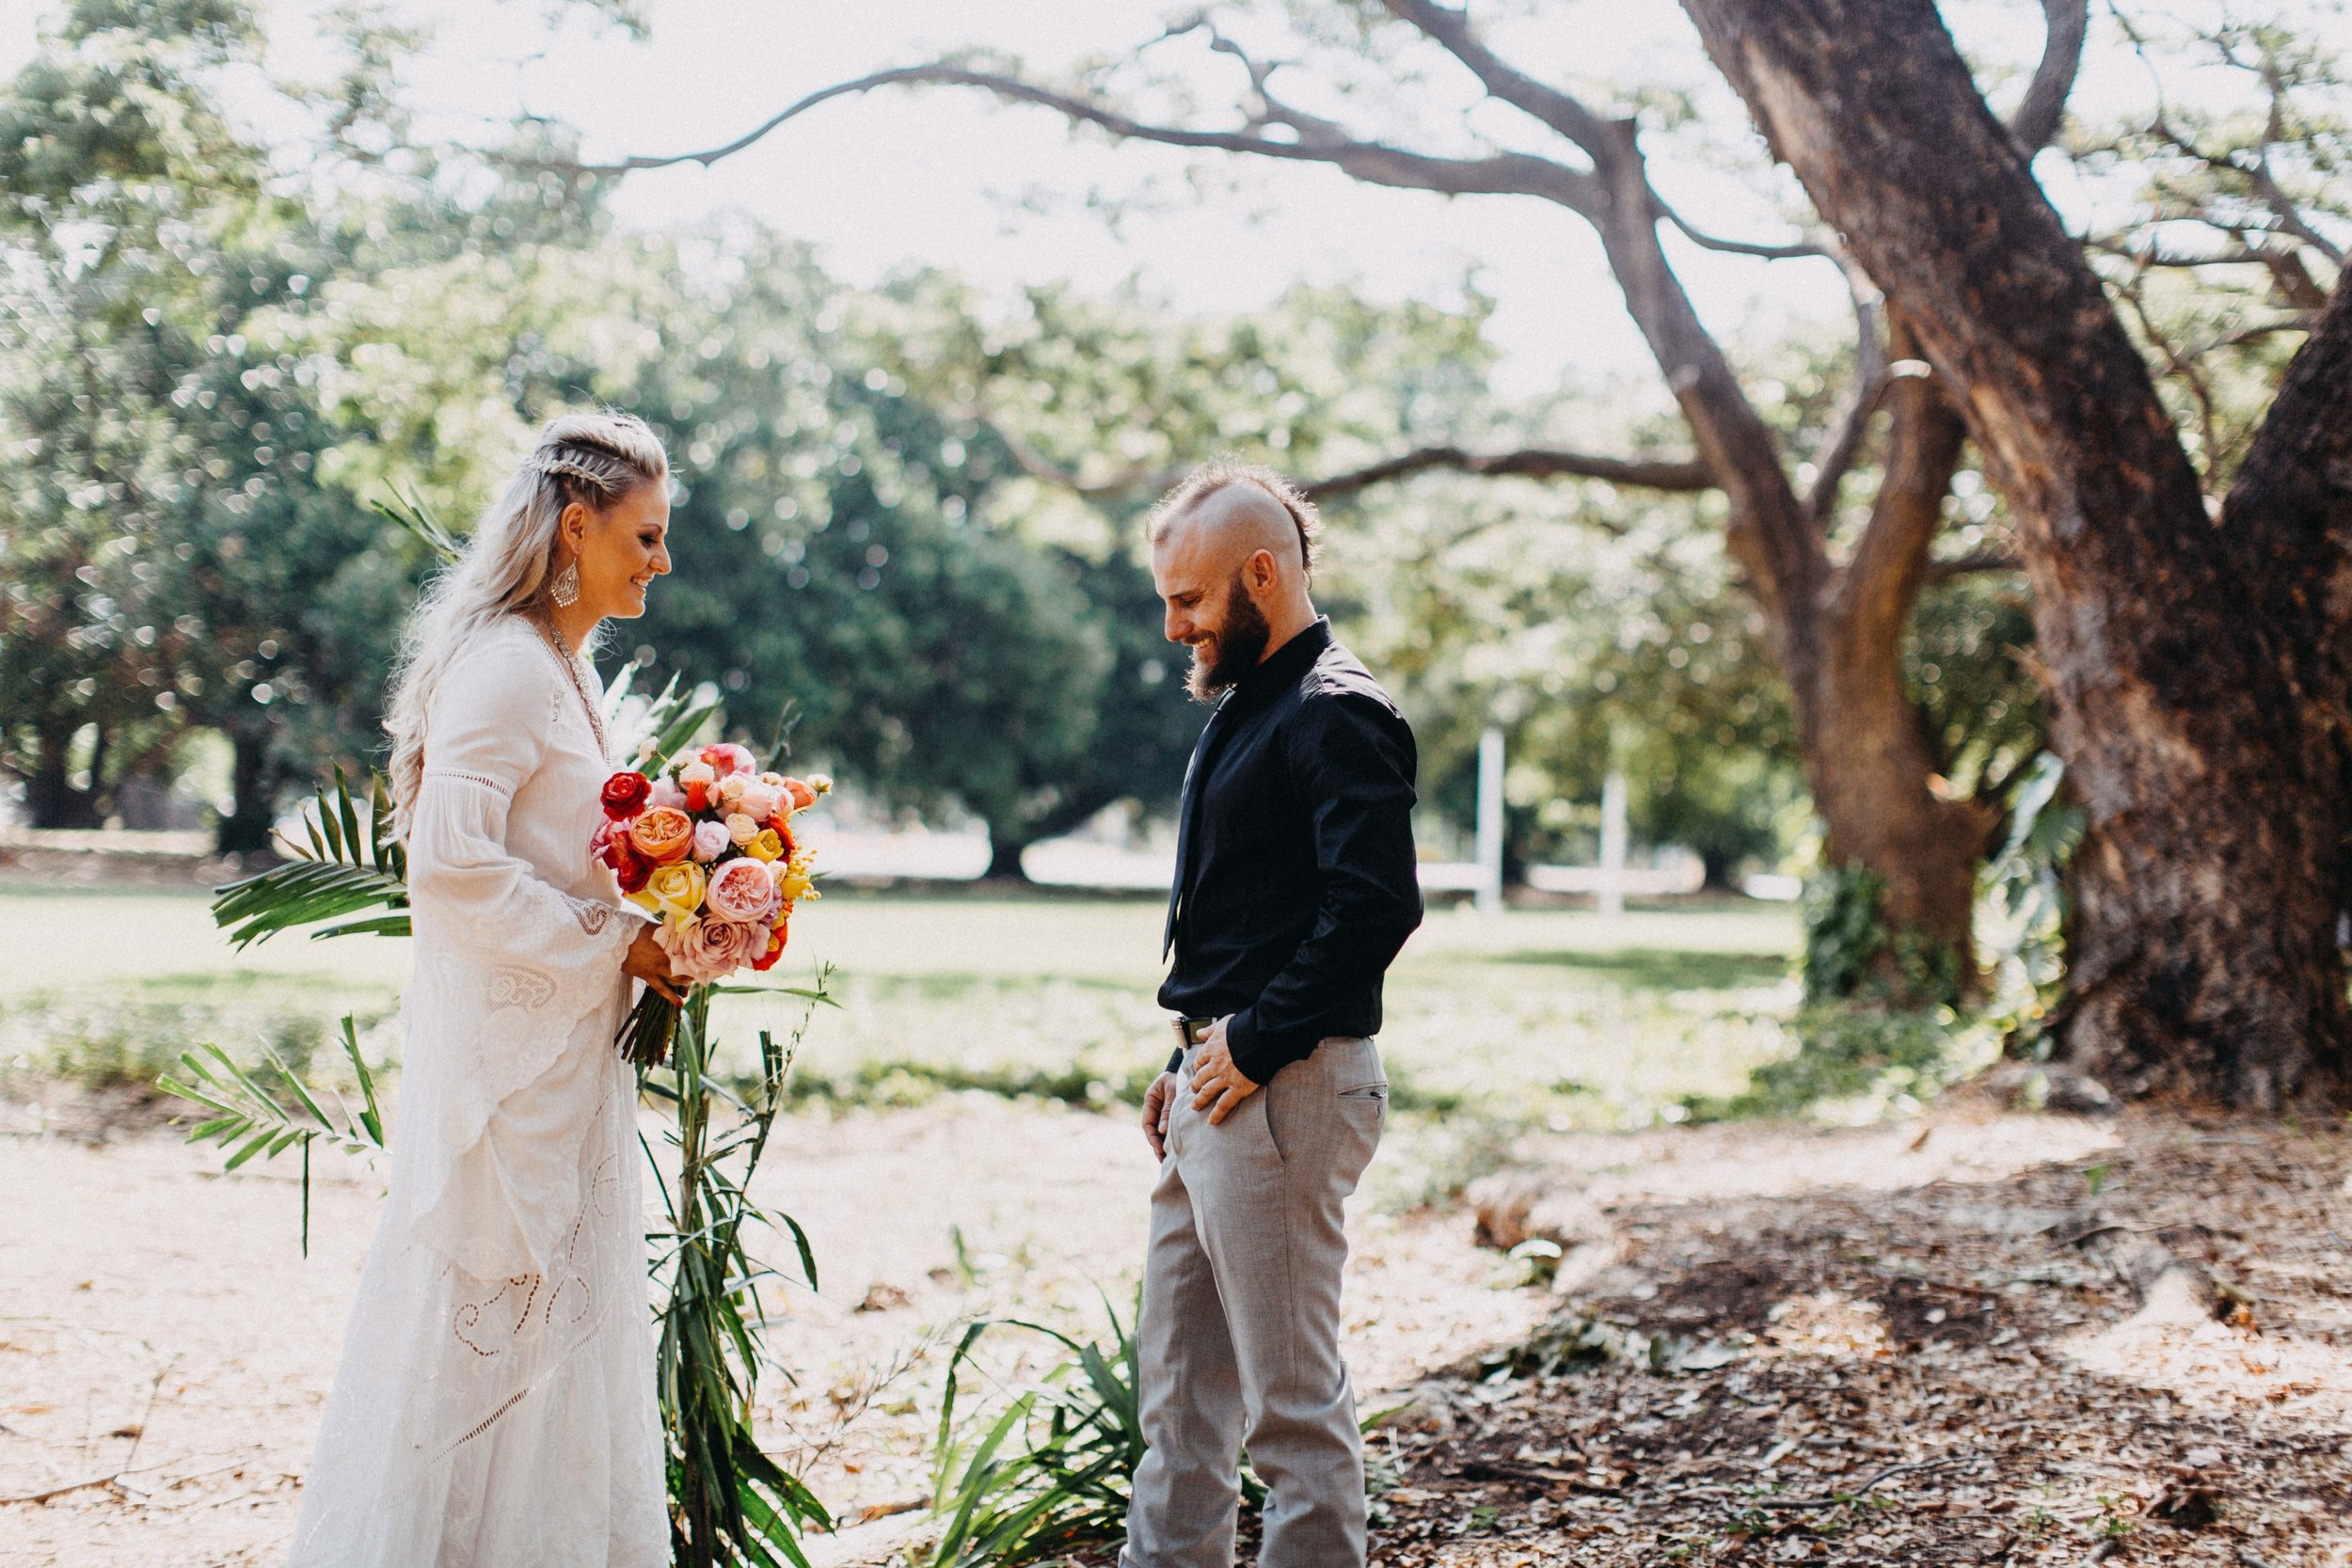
594 459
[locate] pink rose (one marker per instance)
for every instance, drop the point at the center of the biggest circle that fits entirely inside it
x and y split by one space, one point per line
710 840
667 793
759 801
743 891
726 757
705 950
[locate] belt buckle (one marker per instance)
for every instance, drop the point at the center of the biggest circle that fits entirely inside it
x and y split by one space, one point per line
1185 1027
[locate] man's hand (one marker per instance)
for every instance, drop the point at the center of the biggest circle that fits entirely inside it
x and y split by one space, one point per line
1218 1084
1158 1101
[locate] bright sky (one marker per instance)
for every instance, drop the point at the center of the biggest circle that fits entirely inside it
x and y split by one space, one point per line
948 178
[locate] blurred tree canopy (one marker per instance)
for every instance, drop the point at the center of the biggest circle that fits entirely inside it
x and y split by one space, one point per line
907 516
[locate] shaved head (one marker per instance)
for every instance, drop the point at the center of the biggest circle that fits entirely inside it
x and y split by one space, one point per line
1232 551
1234 522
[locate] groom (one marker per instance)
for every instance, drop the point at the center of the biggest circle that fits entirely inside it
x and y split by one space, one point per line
1295 888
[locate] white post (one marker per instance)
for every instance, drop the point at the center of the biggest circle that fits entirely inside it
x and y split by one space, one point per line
1612 900
1490 819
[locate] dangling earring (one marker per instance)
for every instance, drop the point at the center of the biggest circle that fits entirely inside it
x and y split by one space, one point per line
564 590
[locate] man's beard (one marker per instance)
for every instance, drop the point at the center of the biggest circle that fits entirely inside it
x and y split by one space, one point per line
1219 665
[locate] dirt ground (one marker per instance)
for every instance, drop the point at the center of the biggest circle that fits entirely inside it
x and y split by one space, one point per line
1873 1348
1766 1345
160 1333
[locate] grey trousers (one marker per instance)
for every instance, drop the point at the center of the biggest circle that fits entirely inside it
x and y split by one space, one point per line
1240 1332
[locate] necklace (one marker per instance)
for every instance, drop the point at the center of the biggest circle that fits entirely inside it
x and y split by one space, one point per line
571 669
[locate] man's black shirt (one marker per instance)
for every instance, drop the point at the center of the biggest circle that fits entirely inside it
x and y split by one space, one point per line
1295 883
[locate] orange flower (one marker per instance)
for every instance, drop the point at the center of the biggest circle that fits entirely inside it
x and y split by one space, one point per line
662 835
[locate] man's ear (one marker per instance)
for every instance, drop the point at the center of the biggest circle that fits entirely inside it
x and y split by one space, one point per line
1262 572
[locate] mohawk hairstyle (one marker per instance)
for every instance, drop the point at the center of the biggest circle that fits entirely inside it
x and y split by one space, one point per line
1222 473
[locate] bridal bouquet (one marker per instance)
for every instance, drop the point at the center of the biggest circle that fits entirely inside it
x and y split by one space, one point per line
705 843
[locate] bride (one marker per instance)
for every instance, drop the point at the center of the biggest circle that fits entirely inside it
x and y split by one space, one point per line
495 1403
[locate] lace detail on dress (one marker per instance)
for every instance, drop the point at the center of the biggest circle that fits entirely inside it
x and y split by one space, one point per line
511 986
593 917
469 778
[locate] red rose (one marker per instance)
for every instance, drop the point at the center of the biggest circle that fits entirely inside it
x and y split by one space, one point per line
776 938
610 846
697 795
625 794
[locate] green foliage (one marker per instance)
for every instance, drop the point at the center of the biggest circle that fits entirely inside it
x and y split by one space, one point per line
1852 1055
344 869
1853 952
249 1119
2023 927
1050 1473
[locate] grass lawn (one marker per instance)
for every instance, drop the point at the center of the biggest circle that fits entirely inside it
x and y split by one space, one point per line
1495 1022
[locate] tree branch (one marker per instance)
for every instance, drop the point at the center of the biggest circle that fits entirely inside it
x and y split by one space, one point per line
1450 28
1374 163
1872 375
1744 248
1969 565
1683 475
2044 109
1882 579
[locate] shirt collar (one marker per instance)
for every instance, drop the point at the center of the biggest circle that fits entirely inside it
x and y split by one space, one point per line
1286 664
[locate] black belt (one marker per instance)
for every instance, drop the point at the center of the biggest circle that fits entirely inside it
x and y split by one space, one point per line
1191 1031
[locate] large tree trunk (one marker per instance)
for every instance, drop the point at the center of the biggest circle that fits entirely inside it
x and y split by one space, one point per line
49 797
246 830
2289 521
2203 957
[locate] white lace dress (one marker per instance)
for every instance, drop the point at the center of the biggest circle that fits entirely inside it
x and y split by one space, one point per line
494 1407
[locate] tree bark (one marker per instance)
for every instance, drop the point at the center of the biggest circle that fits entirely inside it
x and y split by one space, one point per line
1873 776
2203 958
246 830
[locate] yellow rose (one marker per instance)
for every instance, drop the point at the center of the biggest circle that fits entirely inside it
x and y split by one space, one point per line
673 892
764 845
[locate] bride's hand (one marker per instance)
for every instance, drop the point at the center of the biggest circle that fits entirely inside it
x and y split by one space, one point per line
648 962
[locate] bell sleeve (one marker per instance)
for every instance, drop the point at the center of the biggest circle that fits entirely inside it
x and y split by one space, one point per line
509 967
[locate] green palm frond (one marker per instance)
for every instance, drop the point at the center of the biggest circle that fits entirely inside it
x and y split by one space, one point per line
342 867
245 1117
410 513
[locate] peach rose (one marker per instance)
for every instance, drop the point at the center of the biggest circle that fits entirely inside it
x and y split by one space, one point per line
662 835
741 830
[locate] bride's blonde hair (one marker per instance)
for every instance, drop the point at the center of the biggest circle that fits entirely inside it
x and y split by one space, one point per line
595 459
